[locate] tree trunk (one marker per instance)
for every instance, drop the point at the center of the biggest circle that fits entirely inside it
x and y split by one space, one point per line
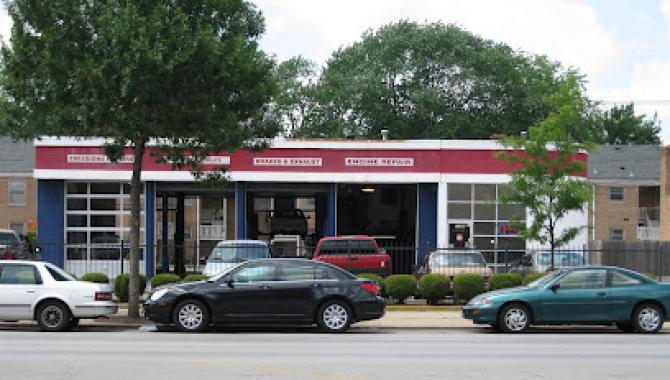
135 189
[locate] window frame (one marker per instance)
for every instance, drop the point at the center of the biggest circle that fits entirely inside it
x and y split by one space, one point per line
611 233
611 192
10 191
559 280
36 273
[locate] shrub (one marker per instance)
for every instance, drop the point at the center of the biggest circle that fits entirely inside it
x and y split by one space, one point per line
468 285
400 286
433 287
650 275
195 277
530 277
121 284
504 280
164 279
378 279
98 277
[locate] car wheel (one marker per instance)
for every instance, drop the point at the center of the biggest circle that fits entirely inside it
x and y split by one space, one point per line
626 327
53 316
334 316
191 316
513 318
648 318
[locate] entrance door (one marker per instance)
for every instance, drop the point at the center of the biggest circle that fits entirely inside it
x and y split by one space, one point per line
459 234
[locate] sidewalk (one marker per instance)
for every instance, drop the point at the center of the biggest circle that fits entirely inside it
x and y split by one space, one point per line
425 318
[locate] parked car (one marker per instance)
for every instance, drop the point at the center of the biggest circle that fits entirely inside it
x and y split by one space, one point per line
357 254
581 295
455 262
540 261
229 253
33 290
296 291
288 222
13 247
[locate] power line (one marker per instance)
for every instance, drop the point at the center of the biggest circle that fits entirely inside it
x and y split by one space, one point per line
644 102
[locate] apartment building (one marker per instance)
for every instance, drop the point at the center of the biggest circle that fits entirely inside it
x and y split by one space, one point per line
18 189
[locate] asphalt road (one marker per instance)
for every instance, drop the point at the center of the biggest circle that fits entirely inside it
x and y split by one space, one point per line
99 353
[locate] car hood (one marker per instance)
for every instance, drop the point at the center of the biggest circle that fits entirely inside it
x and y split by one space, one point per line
183 287
500 292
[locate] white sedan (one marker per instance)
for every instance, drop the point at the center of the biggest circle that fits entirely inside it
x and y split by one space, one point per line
35 290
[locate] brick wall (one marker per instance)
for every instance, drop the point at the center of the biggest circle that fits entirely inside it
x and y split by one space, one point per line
616 214
18 213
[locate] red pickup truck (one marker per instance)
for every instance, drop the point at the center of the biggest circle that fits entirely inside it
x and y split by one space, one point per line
357 254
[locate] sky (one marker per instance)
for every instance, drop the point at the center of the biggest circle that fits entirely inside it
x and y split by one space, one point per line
622 46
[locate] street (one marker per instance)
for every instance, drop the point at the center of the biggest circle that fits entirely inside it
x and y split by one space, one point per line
303 353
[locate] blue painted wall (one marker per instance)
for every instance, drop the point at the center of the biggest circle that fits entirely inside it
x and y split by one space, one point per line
149 227
330 228
240 211
50 220
427 220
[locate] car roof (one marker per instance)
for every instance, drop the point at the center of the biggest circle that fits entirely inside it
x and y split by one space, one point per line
457 251
348 237
21 262
8 230
228 243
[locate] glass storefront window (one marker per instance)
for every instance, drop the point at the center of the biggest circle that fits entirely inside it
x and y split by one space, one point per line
459 192
485 193
485 211
459 211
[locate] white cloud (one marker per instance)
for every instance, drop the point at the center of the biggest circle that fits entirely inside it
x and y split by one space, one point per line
566 30
665 10
5 24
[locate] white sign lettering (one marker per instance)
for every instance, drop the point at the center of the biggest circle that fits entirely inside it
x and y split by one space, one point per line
287 161
96 159
371 161
216 160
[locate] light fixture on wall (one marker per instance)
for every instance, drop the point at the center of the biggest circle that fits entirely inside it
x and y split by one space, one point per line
368 189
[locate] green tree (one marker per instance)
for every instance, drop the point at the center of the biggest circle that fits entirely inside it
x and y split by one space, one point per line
620 125
187 76
430 81
546 176
296 78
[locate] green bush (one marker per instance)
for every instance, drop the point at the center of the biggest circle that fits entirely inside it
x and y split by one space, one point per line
98 277
164 279
378 279
433 287
195 277
650 275
121 284
400 286
468 285
530 277
504 280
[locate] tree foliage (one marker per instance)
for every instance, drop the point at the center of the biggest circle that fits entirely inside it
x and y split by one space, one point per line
545 179
428 81
620 125
187 75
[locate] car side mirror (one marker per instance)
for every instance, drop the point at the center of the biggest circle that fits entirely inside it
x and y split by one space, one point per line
230 283
555 287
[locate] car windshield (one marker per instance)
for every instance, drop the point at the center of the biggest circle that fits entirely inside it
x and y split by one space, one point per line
562 259
217 276
545 279
456 260
8 238
239 253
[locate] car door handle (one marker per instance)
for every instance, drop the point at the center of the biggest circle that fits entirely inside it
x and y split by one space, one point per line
30 291
265 286
602 294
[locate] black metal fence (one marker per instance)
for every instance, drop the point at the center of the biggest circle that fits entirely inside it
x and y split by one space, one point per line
113 259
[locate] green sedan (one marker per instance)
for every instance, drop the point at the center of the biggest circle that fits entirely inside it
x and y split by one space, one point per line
596 295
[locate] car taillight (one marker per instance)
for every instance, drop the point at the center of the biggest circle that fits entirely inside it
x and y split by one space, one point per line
370 287
103 296
9 256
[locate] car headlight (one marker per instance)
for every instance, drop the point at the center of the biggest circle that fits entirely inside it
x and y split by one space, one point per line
158 294
481 301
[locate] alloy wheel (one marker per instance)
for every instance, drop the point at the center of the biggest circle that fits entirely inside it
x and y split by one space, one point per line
516 319
335 316
190 316
52 316
648 319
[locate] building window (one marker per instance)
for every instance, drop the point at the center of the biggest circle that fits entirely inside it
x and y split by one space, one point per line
17 192
97 217
616 194
616 234
18 227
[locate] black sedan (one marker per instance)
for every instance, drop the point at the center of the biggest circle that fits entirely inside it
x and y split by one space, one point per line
269 291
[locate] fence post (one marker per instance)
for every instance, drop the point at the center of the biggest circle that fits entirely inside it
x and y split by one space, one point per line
122 248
